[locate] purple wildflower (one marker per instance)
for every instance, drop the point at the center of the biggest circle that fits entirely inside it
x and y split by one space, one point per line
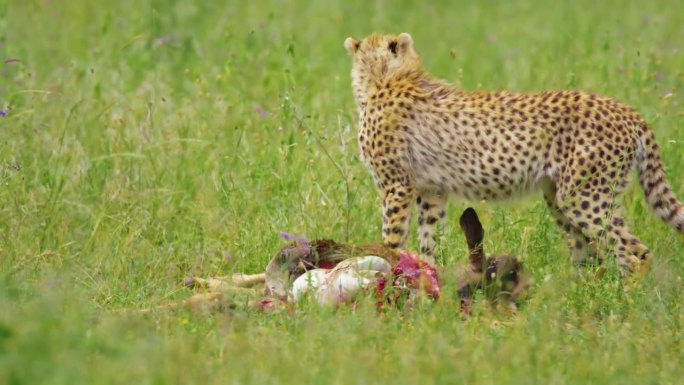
286 236
228 256
165 40
261 112
3 113
292 237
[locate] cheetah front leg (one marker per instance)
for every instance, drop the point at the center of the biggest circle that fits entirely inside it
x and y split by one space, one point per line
431 208
396 205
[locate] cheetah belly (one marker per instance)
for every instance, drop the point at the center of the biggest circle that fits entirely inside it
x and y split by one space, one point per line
473 173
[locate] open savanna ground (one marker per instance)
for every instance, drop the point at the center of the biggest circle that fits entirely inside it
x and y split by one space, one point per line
145 141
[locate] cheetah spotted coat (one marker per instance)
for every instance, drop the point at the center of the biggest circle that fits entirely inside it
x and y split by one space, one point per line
423 139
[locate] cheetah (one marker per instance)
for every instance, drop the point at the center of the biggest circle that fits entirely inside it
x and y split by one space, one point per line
423 140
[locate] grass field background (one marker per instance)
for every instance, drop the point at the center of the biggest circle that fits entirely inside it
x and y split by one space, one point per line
144 141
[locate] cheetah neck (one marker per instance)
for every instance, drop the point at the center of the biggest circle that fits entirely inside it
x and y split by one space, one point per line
366 86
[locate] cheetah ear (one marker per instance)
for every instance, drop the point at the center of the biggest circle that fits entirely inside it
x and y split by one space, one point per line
405 41
474 234
351 45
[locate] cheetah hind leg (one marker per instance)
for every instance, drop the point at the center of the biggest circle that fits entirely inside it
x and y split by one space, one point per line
583 251
602 223
431 209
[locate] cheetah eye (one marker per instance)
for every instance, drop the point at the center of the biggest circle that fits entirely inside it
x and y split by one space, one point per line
392 47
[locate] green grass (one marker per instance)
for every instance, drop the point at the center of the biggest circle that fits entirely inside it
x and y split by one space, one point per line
148 140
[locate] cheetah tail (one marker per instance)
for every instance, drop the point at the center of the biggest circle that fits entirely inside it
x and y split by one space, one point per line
656 188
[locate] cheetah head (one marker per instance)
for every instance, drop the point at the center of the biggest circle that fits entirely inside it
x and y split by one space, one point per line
381 57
